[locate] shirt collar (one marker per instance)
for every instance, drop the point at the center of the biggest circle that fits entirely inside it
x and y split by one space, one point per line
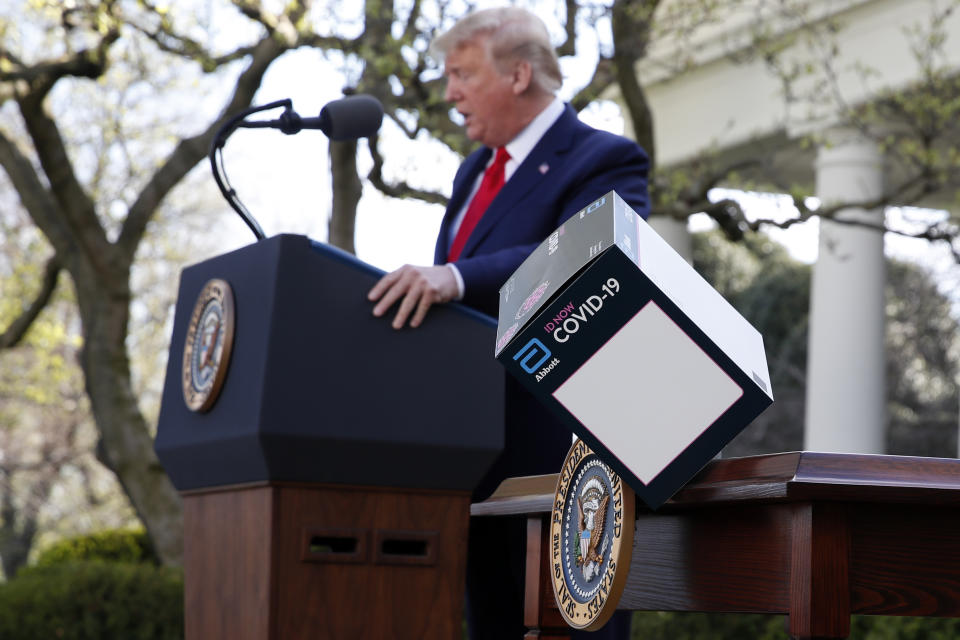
521 146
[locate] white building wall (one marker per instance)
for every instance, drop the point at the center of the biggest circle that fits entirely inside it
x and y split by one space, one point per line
717 104
721 103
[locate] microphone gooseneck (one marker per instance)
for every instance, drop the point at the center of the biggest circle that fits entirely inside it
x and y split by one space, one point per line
349 118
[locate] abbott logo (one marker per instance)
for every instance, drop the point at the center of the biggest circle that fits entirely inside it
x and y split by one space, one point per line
533 350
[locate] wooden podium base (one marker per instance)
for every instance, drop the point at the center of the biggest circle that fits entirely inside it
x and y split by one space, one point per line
294 561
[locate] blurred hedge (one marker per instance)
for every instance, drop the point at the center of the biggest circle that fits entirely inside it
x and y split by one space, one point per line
709 626
93 600
655 625
102 586
114 545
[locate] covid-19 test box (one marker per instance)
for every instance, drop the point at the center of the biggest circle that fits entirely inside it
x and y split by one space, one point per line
628 345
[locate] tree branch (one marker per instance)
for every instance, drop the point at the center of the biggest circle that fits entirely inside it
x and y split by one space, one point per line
189 49
74 205
604 76
170 41
569 46
65 212
410 31
80 65
347 191
190 151
400 189
33 194
729 216
631 35
86 63
20 325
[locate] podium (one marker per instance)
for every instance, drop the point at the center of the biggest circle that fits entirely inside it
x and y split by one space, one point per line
326 488
815 536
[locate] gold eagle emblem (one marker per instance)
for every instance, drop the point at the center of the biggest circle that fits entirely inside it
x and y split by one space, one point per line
591 513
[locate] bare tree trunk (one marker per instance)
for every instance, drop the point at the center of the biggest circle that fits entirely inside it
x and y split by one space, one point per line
347 190
125 445
631 22
18 530
16 534
26 485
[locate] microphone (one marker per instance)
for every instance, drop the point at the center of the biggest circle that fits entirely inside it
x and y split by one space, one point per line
356 116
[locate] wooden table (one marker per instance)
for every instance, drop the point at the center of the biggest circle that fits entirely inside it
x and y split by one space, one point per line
815 536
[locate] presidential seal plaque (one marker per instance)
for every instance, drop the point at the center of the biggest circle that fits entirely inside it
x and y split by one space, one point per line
206 351
591 538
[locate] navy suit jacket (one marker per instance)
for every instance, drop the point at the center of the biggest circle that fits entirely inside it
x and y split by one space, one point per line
572 165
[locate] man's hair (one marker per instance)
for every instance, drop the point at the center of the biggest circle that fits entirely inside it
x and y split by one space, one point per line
513 34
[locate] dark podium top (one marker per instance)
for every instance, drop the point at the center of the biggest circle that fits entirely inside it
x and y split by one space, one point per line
817 536
318 390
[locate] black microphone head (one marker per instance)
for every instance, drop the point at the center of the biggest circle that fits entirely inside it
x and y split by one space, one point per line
357 116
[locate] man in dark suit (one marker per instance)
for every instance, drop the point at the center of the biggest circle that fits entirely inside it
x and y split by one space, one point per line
537 166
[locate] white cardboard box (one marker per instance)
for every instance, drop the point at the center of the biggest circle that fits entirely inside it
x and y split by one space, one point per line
616 334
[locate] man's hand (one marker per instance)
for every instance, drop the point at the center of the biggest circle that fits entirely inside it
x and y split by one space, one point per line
419 287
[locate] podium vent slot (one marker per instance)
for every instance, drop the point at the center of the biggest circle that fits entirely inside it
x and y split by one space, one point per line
335 545
331 544
405 547
413 548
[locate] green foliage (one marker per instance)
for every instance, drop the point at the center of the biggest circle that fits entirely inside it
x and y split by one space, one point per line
657 625
732 626
890 628
921 377
43 364
93 600
124 546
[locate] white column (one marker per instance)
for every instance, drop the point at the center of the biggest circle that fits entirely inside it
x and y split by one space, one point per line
676 233
846 395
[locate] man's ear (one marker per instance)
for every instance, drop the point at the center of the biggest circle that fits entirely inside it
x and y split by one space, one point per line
522 76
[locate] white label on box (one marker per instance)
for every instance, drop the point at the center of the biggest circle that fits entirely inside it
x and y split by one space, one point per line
648 393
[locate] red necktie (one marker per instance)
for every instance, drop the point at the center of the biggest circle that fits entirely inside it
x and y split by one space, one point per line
493 179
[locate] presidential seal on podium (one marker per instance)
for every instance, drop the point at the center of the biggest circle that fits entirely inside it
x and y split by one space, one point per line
591 538
209 341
